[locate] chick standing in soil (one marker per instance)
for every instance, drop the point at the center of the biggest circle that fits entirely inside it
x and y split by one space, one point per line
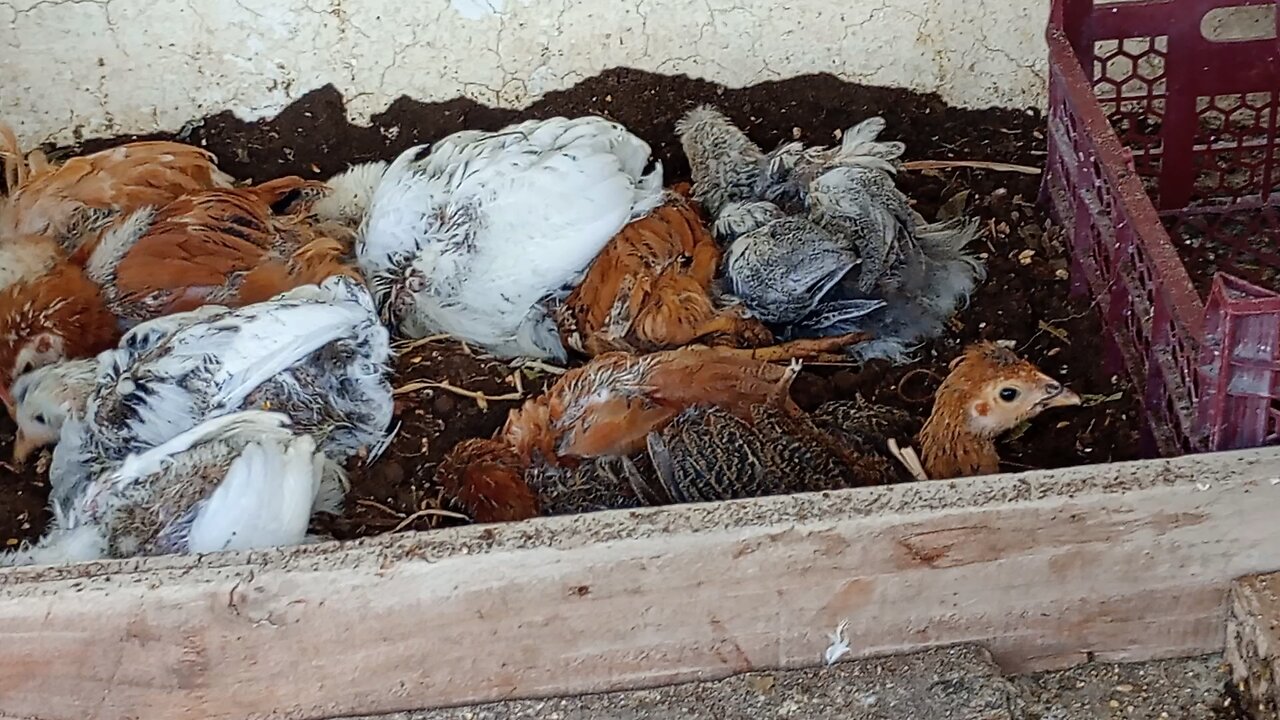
317 354
821 241
473 235
738 439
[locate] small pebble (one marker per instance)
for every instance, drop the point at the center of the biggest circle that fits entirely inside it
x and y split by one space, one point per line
1061 274
443 404
796 133
11 542
1114 703
1124 687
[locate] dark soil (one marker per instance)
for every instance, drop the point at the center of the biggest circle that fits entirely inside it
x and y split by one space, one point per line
1025 301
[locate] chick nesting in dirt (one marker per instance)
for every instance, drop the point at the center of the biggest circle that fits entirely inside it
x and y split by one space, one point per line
317 354
604 409
707 454
215 246
821 241
473 235
55 207
653 288
237 482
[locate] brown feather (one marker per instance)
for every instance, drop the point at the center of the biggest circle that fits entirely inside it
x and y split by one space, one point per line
55 199
486 478
651 288
62 303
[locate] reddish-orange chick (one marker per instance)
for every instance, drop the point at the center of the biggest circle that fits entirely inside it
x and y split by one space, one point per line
68 202
214 246
650 289
989 391
606 408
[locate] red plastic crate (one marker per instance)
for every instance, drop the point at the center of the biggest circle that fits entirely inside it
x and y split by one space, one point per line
1164 135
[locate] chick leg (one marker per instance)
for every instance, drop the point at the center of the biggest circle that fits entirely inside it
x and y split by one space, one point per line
725 323
821 349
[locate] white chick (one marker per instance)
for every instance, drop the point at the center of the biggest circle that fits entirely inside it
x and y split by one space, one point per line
316 354
474 235
241 481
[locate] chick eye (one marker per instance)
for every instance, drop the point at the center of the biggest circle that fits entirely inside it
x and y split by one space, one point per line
1008 394
39 417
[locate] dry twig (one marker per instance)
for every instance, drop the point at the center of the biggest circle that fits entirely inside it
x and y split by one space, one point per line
974 164
481 399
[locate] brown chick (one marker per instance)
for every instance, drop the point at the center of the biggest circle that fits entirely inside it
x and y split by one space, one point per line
989 391
67 202
706 454
214 246
650 289
606 408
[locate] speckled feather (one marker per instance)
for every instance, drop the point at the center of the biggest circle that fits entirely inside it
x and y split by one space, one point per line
473 236
317 351
235 482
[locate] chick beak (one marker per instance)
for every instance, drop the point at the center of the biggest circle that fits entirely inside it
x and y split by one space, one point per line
1056 395
22 449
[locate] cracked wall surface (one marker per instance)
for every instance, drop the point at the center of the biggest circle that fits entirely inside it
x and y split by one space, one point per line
73 68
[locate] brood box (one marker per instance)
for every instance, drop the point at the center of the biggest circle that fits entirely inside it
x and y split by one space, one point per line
1048 568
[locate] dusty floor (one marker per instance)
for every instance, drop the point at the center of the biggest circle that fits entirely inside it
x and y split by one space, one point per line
956 683
1025 300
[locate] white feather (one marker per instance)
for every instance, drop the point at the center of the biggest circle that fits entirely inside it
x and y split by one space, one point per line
496 222
61 546
114 244
350 193
264 501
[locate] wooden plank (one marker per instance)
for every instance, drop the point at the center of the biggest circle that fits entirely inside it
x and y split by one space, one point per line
1253 642
1126 561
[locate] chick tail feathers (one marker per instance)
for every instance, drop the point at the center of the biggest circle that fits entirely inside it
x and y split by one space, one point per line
486 479
859 147
60 546
265 499
935 279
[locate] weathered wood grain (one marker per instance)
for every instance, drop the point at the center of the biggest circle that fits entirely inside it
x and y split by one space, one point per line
1129 561
1253 642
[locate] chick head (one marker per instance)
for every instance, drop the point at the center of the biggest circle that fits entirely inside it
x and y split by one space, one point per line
351 193
1000 390
43 400
52 317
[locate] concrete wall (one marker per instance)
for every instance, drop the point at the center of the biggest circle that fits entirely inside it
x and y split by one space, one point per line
104 67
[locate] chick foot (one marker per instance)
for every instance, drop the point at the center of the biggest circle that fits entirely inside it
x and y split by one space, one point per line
826 349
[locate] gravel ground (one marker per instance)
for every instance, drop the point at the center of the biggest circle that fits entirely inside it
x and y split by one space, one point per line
955 683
